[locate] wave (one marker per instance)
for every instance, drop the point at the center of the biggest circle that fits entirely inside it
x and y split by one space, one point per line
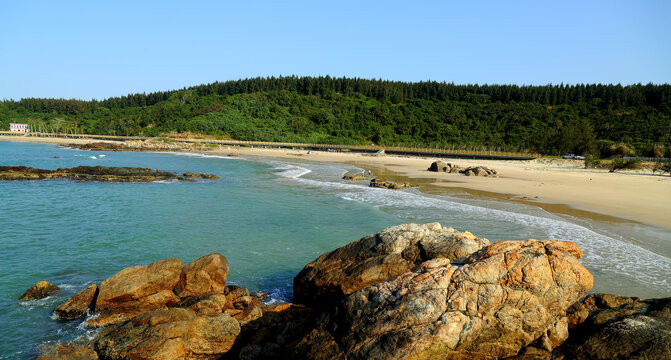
291 171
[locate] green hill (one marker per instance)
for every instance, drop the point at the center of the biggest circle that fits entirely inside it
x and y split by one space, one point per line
552 119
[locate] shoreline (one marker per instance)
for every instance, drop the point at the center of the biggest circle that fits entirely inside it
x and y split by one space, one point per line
558 186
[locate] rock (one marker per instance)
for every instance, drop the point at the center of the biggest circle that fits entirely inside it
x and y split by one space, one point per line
233 154
439 166
355 177
140 288
607 301
379 257
65 351
169 334
204 176
206 275
633 330
204 305
77 305
384 184
93 173
509 296
274 335
40 290
479 171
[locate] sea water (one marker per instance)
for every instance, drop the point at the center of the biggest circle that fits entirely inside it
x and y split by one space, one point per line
268 217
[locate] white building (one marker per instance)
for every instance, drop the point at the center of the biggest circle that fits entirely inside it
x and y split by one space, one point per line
18 127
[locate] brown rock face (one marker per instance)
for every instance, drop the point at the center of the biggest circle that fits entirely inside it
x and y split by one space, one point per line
206 275
512 293
170 334
633 330
40 290
77 305
65 351
378 257
140 288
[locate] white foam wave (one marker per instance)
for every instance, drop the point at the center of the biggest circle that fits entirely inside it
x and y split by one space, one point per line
603 253
292 171
197 155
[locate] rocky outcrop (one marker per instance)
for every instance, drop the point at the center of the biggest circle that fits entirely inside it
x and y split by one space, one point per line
378 257
78 304
479 171
141 288
65 351
40 290
94 173
620 327
206 275
384 184
508 296
175 333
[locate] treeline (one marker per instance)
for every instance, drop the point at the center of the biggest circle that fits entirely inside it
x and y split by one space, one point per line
553 119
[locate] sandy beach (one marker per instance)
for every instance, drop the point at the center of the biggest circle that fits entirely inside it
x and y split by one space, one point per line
556 185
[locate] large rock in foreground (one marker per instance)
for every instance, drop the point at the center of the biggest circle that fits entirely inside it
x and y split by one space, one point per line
379 257
40 290
141 288
511 294
170 334
65 351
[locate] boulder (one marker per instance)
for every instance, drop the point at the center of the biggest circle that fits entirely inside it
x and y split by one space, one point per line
206 275
479 171
439 166
77 305
510 295
384 184
378 257
141 288
65 351
40 290
640 329
169 334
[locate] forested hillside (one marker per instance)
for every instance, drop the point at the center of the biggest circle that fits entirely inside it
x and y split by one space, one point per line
553 119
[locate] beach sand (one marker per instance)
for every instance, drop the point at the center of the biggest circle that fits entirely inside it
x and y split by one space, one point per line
556 185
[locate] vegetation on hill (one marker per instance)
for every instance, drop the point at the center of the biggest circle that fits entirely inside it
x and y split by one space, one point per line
603 120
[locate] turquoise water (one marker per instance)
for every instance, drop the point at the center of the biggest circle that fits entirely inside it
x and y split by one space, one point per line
268 217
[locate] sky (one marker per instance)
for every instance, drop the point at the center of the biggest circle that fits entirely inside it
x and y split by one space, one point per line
96 49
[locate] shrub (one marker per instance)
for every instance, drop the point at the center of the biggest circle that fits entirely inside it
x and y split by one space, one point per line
620 164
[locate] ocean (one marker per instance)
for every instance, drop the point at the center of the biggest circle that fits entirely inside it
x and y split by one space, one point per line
268 217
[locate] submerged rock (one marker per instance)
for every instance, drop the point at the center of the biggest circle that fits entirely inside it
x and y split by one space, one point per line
384 184
94 173
65 351
78 304
508 296
379 257
40 290
170 334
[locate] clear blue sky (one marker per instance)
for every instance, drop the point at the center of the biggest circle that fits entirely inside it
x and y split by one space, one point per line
91 49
